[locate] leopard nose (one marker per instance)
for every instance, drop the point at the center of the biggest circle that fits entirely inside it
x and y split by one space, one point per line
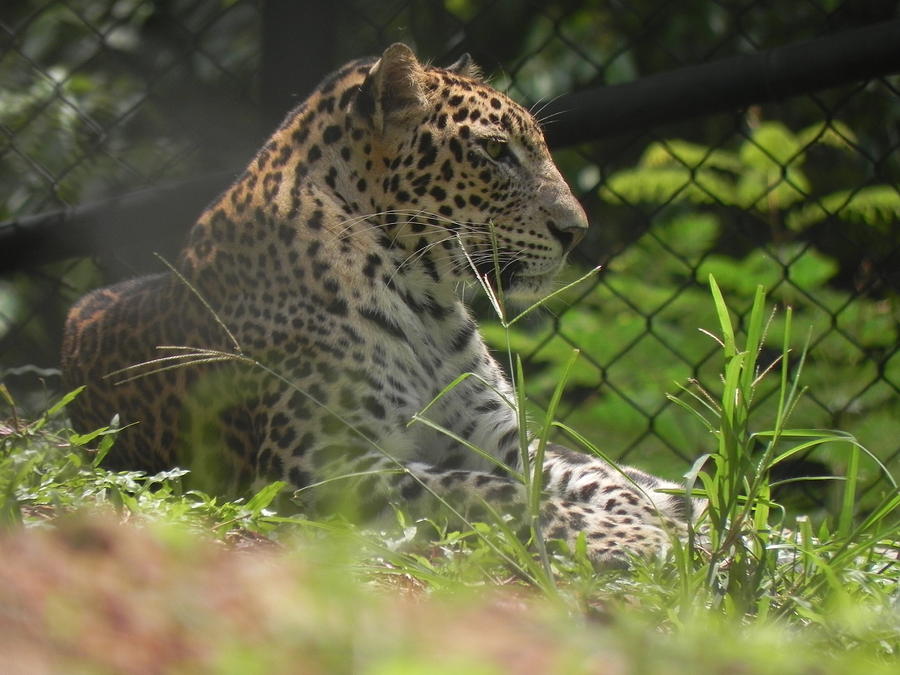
568 237
569 224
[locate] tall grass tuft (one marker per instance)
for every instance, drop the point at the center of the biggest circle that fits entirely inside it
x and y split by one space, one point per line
746 559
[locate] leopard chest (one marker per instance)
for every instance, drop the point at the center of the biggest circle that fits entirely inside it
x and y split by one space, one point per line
423 377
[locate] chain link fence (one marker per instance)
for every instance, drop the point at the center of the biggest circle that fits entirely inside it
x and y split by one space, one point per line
792 186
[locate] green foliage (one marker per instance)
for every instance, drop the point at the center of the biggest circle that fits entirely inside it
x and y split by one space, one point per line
46 469
746 536
764 174
877 206
88 93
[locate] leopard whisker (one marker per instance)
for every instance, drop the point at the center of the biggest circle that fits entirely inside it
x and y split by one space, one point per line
416 255
552 117
419 253
412 218
546 102
415 213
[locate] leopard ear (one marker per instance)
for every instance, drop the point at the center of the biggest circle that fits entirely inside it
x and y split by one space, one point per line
394 87
466 67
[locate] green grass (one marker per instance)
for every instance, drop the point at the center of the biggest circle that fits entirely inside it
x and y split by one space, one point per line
761 591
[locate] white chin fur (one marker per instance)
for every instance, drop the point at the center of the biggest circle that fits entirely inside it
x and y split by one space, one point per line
531 288
536 286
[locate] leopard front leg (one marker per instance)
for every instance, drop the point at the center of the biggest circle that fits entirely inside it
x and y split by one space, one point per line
629 496
371 481
611 536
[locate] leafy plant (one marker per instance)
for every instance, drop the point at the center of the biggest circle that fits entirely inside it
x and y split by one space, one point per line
765 174
754 563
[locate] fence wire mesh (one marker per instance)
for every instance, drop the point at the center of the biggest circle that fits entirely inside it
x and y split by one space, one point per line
98 99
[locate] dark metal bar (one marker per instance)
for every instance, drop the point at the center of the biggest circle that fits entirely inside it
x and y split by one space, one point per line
155 219
725 85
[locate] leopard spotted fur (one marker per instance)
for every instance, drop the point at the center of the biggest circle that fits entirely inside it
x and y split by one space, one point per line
329 270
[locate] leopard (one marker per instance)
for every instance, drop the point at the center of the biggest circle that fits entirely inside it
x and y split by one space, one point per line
312 326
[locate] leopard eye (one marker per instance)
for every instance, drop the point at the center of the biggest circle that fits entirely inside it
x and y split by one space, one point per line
496 148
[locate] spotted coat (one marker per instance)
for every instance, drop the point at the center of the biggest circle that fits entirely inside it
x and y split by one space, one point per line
322 286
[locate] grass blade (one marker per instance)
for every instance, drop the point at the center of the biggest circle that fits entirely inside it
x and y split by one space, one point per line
848 501
728 342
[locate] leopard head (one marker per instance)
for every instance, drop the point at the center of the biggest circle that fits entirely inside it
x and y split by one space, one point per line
460 175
